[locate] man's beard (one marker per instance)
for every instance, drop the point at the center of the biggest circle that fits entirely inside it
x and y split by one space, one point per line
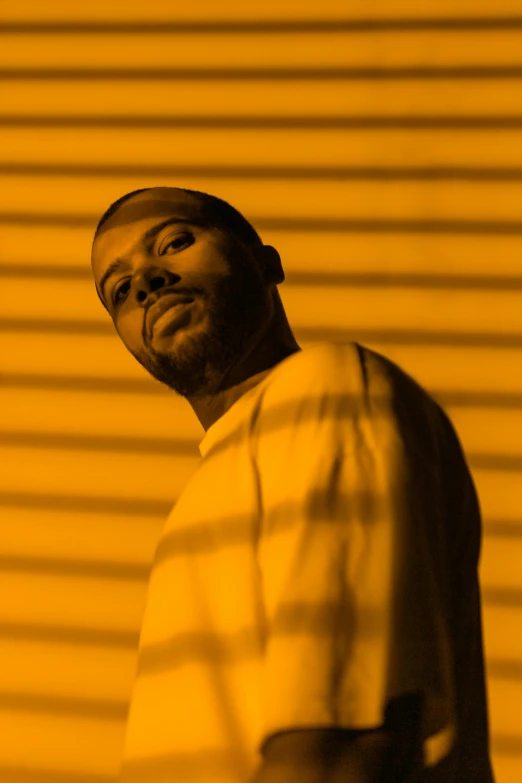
235 314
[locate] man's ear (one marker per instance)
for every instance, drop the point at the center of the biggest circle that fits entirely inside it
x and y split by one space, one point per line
269 259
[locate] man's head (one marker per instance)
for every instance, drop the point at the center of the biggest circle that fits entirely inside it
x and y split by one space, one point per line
161 242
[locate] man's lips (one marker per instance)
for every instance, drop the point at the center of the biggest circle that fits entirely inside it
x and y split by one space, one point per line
161 305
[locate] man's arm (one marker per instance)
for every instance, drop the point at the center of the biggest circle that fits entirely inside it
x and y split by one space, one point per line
345 597
333 755
326 756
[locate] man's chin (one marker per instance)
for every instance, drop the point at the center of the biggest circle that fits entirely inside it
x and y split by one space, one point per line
193 365
187 373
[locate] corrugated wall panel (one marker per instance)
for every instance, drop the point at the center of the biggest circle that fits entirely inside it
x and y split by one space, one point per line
207 13
481 205
378 147
174 93
396 48
265 146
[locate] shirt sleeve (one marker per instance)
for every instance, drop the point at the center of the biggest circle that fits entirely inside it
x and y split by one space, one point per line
350 563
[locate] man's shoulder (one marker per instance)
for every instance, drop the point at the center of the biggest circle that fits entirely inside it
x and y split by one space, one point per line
321 366
343 368
349 380
385 378
345 381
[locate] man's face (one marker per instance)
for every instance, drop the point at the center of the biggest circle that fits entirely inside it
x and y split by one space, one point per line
190 345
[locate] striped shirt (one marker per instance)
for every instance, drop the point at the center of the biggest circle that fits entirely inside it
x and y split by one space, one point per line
321 561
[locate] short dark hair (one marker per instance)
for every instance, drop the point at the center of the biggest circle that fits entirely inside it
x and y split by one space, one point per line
219 212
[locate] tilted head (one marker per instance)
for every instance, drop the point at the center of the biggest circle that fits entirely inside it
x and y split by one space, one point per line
156 244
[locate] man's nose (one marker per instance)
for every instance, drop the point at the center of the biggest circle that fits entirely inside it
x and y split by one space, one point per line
151 279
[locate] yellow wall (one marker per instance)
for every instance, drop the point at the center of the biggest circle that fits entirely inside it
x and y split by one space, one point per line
391 184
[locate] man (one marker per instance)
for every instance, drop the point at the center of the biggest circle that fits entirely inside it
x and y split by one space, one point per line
314 609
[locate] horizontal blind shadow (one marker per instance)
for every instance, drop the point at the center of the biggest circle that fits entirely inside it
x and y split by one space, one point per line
293 74
441 122
304 224
311 278
242 26
333 173
392 337
31 774
75 383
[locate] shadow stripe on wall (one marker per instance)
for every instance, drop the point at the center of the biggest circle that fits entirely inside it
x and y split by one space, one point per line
75 635
504 669
267 122
506 745
119 570
68 567
27 774
334 173
105 709
292 74
140 507
384 337
219 26
138 445
159 509
502 528
77 383
178 649
184 447
501 596
411 337
305 278
303 224
47 634
101 709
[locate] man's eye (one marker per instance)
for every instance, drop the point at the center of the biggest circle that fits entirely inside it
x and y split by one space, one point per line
119 291
177 242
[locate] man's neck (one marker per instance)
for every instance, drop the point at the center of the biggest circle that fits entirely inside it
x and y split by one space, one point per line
210 408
